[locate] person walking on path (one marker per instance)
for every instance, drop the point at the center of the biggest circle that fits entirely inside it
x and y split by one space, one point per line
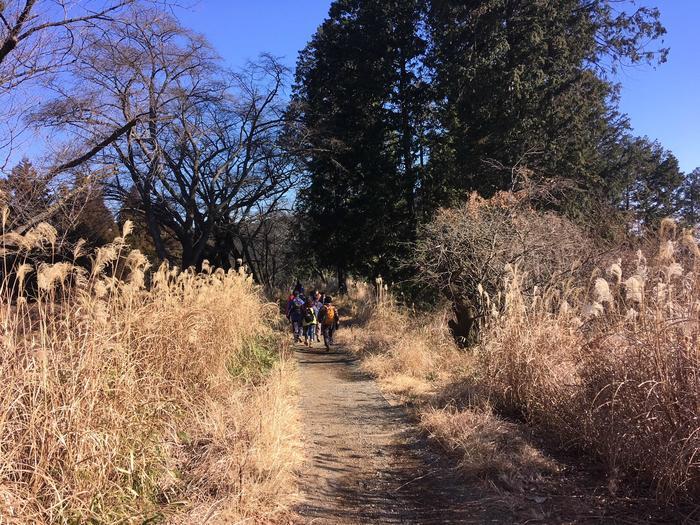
295 309
310 321
328 317
299 288
289 304
318 304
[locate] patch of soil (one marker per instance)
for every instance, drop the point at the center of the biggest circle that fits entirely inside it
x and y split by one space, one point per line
366 462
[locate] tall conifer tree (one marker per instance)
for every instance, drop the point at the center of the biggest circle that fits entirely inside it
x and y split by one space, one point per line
408 105
356 98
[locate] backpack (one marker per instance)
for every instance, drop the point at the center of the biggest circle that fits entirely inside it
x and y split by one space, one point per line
296 309
330 316
309 315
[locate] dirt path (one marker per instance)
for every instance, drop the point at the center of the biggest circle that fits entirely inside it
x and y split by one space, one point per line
366 463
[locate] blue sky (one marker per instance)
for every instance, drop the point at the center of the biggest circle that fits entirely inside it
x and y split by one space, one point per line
662 103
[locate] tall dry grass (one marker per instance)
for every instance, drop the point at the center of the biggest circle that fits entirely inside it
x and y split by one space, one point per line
612 365
608 364
123 403
415 359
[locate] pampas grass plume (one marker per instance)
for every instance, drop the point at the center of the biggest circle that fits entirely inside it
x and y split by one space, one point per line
127 228
674 270
615 271
602 291
666 251
668 228
634 288
22 271
594 309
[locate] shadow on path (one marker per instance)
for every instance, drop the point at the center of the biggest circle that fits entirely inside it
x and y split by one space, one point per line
366 462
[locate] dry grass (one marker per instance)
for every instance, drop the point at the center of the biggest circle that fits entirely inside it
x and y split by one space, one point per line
487 447
394 344
610 365
414 358
124 404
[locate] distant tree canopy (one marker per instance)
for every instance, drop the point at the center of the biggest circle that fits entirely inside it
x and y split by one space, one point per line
409 106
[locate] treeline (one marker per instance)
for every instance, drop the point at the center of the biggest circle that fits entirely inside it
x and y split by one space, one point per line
408 106
398 108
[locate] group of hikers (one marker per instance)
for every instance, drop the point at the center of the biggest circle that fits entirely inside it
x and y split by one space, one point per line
312 316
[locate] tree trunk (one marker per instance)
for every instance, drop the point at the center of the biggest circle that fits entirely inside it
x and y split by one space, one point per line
463 326
154 231
342 281
187 253
407 147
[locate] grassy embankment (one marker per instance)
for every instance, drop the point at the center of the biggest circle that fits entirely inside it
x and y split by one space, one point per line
609 365
127 403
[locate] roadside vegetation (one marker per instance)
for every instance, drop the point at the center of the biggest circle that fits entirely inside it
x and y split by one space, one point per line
595 348
138 395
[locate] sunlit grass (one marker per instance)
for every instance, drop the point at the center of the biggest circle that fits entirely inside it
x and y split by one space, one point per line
127 402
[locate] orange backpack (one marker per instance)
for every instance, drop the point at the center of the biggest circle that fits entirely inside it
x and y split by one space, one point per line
330 317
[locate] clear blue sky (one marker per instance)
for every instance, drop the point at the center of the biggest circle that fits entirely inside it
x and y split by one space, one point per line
662 103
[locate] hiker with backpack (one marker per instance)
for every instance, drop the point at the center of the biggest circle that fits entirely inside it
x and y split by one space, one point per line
328 317
309 322
288 305
295 314
318 304
299 288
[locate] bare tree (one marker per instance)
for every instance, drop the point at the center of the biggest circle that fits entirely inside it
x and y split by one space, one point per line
39 38
205 152
266 242
466 252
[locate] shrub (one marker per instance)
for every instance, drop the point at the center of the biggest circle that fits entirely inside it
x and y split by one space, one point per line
464 253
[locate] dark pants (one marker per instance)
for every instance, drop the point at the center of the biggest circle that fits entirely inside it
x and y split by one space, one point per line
296 329
328 332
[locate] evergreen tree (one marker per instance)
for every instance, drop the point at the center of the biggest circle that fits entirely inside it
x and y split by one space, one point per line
357 98
94 222
405 106
650 176
689 199
522 82
25 192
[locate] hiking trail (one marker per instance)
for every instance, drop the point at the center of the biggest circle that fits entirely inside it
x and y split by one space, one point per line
365 461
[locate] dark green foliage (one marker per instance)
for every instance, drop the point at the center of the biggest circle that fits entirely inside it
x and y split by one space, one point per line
94 223
76 208
522 83
26 193
409 106
357 101
688 199
648 175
